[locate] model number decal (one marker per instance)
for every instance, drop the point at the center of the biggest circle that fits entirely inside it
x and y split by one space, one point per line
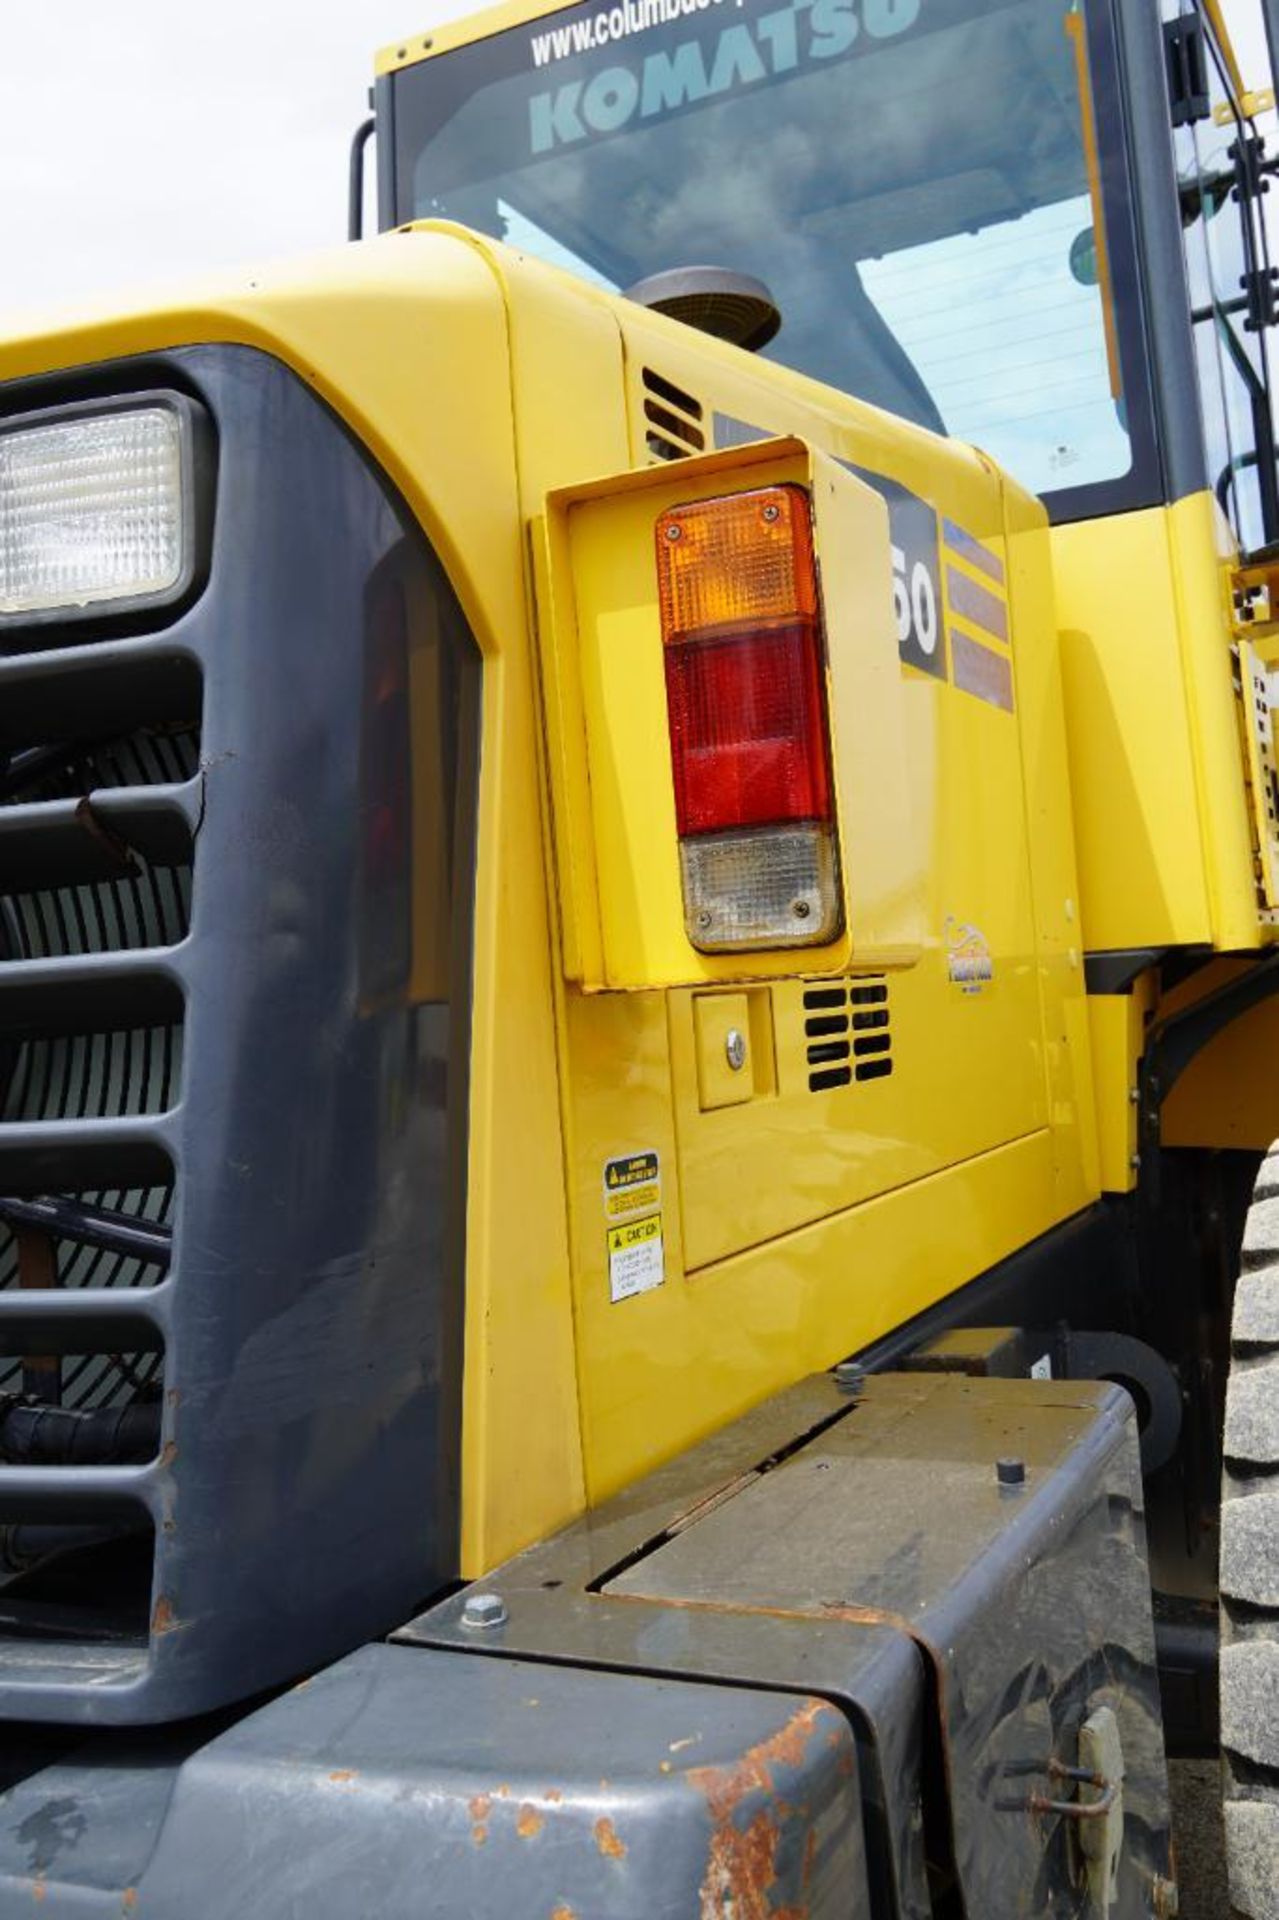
916 557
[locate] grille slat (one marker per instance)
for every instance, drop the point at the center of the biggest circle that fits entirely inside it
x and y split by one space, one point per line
672 416
831 1009
97 832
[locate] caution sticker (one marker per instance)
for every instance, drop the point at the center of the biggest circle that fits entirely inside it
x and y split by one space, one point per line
632 1184
636 1263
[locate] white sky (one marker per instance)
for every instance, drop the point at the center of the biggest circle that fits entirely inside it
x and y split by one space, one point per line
143 140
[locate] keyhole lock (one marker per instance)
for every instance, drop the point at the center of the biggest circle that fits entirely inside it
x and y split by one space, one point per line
735 1048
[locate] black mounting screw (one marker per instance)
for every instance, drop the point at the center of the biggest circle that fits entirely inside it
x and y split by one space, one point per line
1010 1473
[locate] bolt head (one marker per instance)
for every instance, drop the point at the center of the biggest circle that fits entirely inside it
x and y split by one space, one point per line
484 1611
735 1048
850 1377
673 530
1010 1473
800 909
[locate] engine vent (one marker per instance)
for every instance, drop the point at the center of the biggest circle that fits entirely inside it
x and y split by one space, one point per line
97 820
847 1032
673 418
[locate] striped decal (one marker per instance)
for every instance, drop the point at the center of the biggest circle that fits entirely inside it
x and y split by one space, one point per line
974 604
977 670
971 550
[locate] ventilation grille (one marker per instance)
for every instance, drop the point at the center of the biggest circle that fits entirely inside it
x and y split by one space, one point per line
673 419
96 848
847 1032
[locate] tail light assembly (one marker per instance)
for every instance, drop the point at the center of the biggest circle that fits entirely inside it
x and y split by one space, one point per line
744 655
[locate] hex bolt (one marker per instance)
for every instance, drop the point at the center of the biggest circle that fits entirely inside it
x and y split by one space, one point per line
1010 1473
850 1378
485 1610
735 1048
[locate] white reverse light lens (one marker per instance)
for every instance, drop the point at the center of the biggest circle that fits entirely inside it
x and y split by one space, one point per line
771 887
91 510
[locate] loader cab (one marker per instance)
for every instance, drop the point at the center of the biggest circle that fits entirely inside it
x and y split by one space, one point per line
1028 224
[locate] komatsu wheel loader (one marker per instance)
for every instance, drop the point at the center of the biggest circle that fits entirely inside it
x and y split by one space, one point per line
639 838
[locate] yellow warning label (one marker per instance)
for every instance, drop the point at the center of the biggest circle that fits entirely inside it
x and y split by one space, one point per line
630 1200
632 1184
636 1261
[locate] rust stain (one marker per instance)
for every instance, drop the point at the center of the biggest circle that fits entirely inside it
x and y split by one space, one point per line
554 1795
741 1868
128 1900
168 1453
39 1891
344 1776
563 1913
608 1840
163 1618
529 1823
480 1807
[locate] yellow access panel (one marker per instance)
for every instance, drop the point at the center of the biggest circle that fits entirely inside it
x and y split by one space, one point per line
776 1157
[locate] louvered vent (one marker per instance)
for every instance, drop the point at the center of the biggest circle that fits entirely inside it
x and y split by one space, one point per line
97 817
95 859
847 1032
673 416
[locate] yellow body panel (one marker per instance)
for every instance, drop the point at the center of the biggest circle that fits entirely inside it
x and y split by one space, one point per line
1141 869
1222 1100
1161 809
1117 1023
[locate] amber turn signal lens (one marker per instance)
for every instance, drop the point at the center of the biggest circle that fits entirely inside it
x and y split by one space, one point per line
741 560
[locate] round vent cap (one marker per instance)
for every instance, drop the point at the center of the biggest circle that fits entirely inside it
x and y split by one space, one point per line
730 306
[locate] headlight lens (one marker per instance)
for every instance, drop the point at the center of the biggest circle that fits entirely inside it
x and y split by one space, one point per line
91 509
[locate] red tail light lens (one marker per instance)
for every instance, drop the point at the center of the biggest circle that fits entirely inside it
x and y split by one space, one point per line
748 729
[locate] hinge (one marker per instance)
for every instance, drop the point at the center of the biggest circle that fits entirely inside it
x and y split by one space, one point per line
1251 168
1260 304
1187 65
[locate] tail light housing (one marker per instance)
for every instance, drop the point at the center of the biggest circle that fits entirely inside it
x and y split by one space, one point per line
744 657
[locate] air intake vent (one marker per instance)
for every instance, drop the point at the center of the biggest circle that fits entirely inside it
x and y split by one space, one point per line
673 417
97 822
847 1032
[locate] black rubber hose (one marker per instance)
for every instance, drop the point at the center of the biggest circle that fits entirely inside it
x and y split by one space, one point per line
34 1435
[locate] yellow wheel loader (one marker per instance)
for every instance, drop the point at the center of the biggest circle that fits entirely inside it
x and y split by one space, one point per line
639 938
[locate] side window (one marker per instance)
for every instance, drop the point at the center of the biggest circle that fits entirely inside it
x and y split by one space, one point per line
1226 263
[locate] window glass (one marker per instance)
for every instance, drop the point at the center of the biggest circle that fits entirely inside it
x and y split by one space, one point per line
1224 244
917 181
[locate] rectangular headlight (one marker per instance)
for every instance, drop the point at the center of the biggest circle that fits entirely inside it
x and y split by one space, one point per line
93 507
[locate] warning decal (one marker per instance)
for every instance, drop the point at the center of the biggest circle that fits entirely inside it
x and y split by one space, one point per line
635 1258
632 1184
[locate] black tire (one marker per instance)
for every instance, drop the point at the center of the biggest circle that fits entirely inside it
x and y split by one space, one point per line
1250 1566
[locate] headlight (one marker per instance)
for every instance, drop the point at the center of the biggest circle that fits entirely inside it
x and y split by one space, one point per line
96 507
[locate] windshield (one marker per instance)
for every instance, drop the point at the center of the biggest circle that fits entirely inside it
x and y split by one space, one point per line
918 182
